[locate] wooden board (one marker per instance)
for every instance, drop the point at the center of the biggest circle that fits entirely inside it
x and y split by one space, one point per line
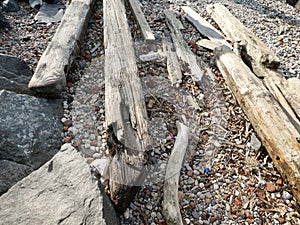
208 44
234 30
269 120
125 110
50 75
204 27
183 53
170 204
141 20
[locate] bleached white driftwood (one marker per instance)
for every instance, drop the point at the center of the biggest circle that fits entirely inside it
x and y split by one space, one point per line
269 119
208 44
125 110
50 75
204 27
141 20
170 204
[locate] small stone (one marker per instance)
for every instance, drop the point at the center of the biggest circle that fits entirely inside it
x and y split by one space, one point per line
192 204
270 187
68 123
207 200
190 173
195 215
153 214
180 195
67 139
191 180
286 195
149 206
281 220
236 193
279 182
212 219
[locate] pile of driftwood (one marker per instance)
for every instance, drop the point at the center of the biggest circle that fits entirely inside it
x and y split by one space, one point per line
271 102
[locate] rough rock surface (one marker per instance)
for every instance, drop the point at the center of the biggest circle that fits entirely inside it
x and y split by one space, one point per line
29 132
10 6
15 74
62 191
3 21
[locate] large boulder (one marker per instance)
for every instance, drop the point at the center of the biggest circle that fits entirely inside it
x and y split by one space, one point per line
15 74
30 134
63 191
3 21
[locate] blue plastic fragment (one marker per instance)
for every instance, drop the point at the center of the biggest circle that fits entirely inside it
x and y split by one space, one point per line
206 170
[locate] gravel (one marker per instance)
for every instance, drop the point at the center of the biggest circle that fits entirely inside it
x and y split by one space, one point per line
228 178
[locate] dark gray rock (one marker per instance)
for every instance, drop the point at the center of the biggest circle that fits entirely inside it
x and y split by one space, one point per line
3 21
11 172
63 191
10 6
30 131
15 74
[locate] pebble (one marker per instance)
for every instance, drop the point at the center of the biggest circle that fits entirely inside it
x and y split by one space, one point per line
286 195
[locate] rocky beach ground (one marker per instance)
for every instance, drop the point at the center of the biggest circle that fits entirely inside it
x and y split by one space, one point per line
227 177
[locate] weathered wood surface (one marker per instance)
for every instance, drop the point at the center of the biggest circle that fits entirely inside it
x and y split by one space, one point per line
170 204
204 27
50 75
269 120
125 110
141 20
211 45
173 66
183 53
234 30
260 57
291 91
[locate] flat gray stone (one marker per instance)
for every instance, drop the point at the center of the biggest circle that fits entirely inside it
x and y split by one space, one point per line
15 74
62 191
30 131
50 13
10 6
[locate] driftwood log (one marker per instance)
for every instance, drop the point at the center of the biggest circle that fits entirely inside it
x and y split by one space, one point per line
204 27
125 110
235 31
170 205
268 118
141 20
259 57
50 75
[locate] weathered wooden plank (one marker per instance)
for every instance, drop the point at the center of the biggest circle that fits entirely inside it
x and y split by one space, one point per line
171 209
208 44
234 30
141 20
50 75
204 27
291 91
173 66
183 53
125 110
269 120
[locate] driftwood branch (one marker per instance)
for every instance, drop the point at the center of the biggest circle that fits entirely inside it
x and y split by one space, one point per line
267 116
50 75
171 209
204 27
125 110
183 53
141 20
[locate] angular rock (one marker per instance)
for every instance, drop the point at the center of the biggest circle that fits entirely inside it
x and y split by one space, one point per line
15 74
3 21
50 13
10 172
30 132
10 6
63 191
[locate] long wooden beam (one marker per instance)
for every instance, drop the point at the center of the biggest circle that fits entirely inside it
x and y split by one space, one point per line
50 75
268 118
125 110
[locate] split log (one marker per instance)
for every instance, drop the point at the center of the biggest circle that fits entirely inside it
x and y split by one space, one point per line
171 209
259 58
173 65
183 53
266 115
125 110
234 30
50 75
204 27
141 20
